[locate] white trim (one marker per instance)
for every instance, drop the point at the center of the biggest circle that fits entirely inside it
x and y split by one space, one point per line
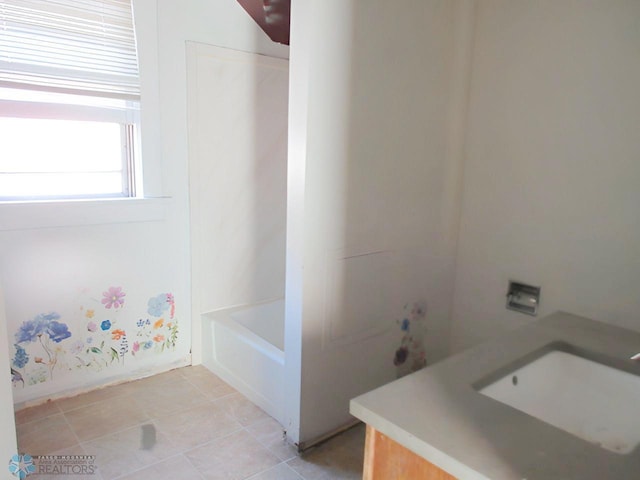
71 213
22 109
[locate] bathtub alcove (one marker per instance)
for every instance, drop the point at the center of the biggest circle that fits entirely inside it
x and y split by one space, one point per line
244 345
238 198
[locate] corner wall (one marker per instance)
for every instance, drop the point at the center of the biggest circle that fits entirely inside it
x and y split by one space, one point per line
375 124
551 176
8 442
61 258
58 259
218 23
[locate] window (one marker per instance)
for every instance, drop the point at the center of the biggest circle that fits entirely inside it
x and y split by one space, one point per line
69 100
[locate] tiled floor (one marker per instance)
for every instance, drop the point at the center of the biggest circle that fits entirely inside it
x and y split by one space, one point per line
185 424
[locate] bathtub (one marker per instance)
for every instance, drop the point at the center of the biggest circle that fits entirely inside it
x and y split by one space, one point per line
245 347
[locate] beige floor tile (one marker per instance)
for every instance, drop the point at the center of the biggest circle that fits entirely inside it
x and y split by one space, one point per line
139 429
352 438
160 400
106 417
271 434
73 450
174 468
212 386
136 387
170 376
197 426
89 398
339 458
279 472
159 379
234 457
46 435
324 468
129 450
240 408
194 370
36 413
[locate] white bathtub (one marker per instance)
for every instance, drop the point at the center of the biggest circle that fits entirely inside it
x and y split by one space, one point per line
245 347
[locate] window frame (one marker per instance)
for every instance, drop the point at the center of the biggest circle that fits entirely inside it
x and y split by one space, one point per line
153 203
126 113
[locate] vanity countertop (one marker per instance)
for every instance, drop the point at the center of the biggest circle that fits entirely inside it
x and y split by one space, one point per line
439 415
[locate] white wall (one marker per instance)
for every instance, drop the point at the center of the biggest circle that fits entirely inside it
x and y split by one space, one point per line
66 270
238 168
219 23
372 193
551 178
8 442
62 257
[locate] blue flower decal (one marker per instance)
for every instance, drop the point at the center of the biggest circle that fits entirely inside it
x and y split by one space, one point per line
105 325
58 331
44 328
404 326
31 329
21 465
158 305
21 358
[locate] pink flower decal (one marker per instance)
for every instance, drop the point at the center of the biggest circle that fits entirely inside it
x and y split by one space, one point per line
114 297
172 302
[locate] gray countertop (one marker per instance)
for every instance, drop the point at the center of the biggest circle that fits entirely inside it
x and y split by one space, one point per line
438 414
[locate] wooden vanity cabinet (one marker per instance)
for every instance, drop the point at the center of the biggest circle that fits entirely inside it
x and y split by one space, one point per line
385 459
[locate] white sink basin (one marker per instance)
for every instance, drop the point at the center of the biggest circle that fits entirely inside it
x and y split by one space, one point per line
592 401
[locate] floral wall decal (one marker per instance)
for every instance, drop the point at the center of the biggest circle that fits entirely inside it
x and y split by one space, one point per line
161 333
160 304
99 337
411 355
47 331
114 297
19 361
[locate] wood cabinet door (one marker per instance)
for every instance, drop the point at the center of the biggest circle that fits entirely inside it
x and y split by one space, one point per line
385 459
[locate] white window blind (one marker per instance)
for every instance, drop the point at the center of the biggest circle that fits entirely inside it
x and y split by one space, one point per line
78 46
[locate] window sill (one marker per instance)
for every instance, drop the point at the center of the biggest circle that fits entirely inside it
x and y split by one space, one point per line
72 213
